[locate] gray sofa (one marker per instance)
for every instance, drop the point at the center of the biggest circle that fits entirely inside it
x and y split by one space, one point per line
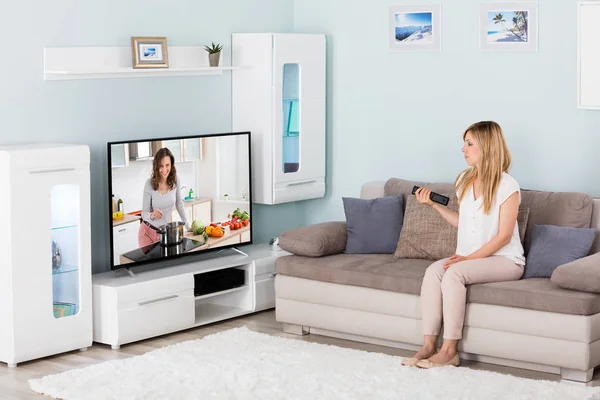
530 323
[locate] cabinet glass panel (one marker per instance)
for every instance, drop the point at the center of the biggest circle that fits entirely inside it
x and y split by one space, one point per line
175 147
65 219
291 118
118 155
193 149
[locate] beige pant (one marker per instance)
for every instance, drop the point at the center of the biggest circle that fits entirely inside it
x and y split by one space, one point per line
443 293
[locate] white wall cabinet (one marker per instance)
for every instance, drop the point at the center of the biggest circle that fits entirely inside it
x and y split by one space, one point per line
280 97
183 149
119 155
588 82
45 257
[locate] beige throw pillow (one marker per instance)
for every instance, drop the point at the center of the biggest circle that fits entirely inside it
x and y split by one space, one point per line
425 234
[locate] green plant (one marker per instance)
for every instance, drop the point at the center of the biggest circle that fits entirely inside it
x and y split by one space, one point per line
214 49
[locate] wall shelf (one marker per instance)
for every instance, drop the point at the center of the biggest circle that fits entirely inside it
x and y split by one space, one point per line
70 63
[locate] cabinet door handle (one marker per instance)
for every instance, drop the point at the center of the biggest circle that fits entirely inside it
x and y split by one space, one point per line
50 170
122 230
302 183
144 303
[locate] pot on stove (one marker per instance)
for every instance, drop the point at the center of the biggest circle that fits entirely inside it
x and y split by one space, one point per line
171 233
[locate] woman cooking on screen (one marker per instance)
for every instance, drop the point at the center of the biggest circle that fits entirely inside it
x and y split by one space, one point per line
161 195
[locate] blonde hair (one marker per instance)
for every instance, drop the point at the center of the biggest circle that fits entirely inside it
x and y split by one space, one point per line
495 159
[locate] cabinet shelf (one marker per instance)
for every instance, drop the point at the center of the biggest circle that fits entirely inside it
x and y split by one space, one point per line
208 313
65 269
237 289
99 73
63 226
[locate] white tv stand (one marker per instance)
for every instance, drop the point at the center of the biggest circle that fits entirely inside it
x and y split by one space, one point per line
156 301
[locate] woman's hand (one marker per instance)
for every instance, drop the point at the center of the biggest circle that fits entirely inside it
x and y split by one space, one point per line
423 196
453 260
156 214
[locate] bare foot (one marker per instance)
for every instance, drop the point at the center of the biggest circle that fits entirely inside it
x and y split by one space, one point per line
425 352
443 356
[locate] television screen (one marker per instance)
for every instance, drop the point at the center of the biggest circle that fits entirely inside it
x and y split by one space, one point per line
178 196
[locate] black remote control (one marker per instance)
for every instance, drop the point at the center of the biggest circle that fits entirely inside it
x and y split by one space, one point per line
436 197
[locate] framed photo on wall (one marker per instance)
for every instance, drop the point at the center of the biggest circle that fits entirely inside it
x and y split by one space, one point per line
415 27
511 26
149 52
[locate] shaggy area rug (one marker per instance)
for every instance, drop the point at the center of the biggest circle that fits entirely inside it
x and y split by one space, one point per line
242 364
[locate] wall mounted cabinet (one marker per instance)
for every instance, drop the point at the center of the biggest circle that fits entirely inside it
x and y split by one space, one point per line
588 57
280 98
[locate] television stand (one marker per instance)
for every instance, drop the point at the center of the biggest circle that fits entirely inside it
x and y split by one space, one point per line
234 249
163 300
130 272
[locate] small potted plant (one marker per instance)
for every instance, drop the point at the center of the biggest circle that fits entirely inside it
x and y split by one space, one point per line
214 53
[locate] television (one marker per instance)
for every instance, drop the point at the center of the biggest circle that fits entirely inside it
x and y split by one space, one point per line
177 197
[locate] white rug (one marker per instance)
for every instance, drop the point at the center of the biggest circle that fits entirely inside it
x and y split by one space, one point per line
241 364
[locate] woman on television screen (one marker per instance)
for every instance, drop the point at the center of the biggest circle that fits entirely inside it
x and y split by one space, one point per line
161 195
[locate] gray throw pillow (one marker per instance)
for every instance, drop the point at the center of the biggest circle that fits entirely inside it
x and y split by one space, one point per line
373 226
552 246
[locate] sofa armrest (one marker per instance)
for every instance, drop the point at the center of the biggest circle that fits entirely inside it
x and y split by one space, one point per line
315 240
582 274
372 190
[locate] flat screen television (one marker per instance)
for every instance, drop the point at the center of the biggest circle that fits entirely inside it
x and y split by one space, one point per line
178 196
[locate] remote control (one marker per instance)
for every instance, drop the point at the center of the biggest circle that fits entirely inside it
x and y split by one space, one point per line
436 197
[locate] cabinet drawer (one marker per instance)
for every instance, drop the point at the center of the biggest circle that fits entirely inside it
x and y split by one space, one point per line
265 293
157 316
264 265
130 296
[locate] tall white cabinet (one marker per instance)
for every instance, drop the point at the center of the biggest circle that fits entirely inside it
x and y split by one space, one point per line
588 57
279 95
45 255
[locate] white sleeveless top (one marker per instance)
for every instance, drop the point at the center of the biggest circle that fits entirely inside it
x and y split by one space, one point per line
476 228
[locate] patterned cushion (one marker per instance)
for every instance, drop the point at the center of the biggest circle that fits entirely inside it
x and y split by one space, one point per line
425 234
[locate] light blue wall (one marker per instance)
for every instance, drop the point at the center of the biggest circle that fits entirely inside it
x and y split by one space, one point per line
389 114
393 114
94 112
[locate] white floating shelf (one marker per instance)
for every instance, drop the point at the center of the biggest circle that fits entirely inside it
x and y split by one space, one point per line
68 63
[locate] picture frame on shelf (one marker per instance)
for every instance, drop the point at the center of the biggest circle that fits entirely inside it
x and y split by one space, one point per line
415 27
149 52
508 26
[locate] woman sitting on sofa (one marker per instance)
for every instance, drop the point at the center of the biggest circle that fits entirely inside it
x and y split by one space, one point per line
488 245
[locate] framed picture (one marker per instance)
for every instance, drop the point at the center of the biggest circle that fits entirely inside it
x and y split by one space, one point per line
508 26
149 52
415 27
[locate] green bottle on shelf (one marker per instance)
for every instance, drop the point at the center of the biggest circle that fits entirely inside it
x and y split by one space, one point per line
191 194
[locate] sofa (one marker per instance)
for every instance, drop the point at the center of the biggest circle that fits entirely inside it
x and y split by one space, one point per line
530 323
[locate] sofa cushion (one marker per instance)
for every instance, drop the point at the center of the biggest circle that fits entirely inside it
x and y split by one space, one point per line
582 274
377 271
552 246
556 208
315 240
384 272
373 226
425 234
539 294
